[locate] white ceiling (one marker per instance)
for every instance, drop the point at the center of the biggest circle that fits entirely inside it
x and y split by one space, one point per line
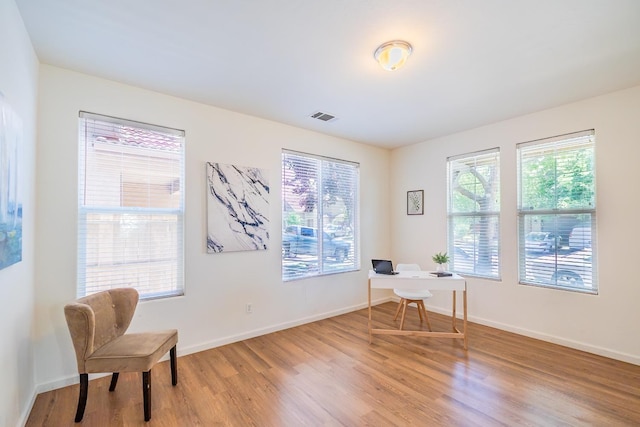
474 62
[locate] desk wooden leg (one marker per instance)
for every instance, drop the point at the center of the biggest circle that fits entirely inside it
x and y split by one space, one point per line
464 325
453 312
370 334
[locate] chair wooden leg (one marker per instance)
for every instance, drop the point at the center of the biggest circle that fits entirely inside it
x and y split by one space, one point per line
146 394
399 307
82 397
404 311
114 381
426 316
174 366
418 302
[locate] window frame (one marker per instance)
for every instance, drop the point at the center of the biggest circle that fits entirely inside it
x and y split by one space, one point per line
562 261
321 266
88 208
495 214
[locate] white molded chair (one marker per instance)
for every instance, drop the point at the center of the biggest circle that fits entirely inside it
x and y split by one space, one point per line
411 296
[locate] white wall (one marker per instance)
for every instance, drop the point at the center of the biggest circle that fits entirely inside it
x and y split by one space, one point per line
606 324
218 286
18 83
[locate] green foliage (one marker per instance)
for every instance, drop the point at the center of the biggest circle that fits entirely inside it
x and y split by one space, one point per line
294 219
440 258
553 181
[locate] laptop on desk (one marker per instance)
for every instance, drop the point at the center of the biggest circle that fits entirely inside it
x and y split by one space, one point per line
383 266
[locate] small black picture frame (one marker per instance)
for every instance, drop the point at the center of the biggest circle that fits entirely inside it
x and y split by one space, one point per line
415 202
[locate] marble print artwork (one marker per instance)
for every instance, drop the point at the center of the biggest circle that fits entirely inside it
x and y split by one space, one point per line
237 208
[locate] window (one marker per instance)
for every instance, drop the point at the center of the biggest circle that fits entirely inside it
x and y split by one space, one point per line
557 212
474 213
130 207
319 215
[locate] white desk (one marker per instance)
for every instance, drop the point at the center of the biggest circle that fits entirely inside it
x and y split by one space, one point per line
421 280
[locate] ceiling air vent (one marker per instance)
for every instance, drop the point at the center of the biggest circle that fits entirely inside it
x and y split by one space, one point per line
325 117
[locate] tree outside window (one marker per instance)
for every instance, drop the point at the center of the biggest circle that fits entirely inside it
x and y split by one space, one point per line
474 213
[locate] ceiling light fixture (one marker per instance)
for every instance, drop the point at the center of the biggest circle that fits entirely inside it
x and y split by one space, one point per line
392 55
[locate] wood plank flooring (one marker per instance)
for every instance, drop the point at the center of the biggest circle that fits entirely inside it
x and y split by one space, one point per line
327 374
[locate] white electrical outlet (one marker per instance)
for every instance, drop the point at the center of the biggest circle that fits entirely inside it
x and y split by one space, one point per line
249 307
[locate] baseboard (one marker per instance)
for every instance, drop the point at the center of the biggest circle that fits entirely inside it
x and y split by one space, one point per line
183 351
577 345
520 331
589 348
64 382
22 421
275 328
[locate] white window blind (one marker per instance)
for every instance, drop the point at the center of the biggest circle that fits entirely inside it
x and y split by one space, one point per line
557 212
130 207
319 215
474 213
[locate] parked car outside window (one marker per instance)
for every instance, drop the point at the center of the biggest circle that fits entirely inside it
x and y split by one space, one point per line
541 241
299 240
335 230
570 269
580 237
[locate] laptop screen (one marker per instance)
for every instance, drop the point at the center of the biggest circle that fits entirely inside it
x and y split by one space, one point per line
382 265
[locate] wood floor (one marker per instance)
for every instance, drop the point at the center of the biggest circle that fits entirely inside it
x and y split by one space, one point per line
327 374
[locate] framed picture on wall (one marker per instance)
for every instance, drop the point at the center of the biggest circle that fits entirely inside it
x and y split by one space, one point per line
415 202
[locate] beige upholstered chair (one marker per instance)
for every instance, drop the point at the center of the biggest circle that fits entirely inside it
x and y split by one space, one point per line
407 297
97 324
